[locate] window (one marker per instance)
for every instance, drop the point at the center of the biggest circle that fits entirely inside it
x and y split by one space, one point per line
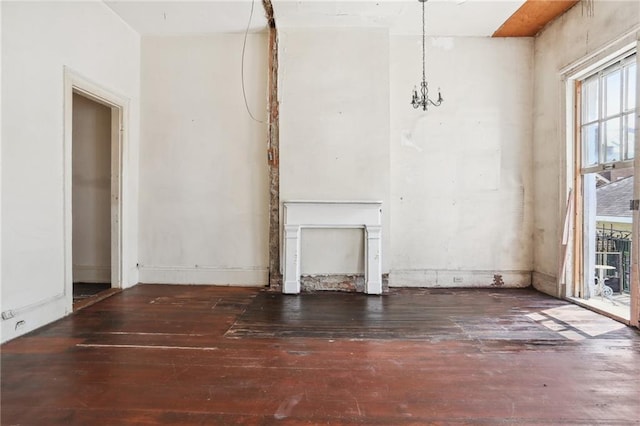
607 121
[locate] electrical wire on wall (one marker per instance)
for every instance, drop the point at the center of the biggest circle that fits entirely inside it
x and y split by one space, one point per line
244 46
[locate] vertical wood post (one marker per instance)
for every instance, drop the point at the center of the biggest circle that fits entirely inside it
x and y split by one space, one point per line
273 152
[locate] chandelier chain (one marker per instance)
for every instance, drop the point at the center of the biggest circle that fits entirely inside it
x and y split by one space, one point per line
423 43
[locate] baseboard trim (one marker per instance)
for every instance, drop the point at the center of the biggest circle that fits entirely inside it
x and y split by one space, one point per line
204 275
456 278
545 283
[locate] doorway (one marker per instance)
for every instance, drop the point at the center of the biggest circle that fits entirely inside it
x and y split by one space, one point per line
607 240
94 136
605 105
91 194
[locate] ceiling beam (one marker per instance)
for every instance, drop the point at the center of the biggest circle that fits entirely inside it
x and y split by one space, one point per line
532 16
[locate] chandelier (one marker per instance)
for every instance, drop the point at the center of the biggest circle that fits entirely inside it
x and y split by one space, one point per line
422 99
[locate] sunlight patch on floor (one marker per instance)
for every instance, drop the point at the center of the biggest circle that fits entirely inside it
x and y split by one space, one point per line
574 322
583 320
620 309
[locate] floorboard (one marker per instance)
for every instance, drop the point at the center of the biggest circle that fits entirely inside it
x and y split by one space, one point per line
199 355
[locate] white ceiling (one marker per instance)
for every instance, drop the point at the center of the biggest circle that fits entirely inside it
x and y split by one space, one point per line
189 17
444 17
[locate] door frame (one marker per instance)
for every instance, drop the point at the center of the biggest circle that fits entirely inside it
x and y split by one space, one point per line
635 244
119 105
573 74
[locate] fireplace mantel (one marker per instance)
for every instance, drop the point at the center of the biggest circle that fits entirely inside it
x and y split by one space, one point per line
333 214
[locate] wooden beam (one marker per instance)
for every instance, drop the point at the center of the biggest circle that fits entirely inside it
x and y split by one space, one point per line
273 152
532 16
578 254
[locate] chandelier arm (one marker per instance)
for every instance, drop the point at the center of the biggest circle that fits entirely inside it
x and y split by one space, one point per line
422 99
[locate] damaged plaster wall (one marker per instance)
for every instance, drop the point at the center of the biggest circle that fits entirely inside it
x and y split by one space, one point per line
334 131
572 37
461 174
204 188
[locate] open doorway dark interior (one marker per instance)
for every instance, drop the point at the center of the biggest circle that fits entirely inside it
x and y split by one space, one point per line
91 198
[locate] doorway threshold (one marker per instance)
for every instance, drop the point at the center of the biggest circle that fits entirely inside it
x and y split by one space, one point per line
617 312
88 301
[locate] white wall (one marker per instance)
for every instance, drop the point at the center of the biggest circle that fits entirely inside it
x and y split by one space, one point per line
334 131
461 173
38 41
91 194
571 38
203 163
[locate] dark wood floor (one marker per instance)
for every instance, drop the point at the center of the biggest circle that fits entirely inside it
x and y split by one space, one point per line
199 355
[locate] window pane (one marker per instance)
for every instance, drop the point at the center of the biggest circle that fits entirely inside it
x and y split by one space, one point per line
631 87
590 106
590 144
612 140
612 83
630 131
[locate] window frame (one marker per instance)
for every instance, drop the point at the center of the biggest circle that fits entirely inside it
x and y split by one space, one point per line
621 64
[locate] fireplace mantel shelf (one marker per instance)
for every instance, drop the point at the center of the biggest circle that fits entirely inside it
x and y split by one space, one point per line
332 202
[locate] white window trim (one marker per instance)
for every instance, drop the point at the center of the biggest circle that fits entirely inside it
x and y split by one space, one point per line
600 73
